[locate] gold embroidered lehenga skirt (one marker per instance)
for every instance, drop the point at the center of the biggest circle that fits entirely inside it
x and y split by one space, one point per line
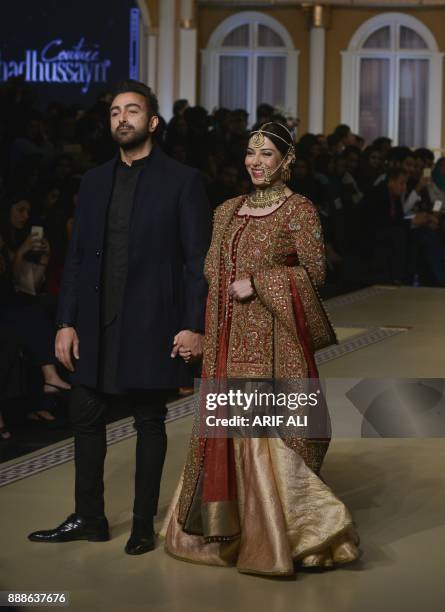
259 503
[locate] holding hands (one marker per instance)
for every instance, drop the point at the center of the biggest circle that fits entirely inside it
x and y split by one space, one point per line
188 345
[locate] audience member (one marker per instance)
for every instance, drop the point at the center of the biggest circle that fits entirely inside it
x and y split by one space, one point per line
382 207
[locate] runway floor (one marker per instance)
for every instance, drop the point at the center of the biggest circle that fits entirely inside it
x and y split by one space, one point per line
395 489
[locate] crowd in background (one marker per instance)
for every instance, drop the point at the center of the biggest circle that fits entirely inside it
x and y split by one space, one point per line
380 207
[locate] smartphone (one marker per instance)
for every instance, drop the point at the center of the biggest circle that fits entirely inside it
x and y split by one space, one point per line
427 172
437 206
37 232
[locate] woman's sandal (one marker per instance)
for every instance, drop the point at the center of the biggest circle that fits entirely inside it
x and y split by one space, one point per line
38 415
60 390
5 434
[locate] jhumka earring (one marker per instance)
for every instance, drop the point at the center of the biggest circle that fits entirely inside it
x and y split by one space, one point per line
285 174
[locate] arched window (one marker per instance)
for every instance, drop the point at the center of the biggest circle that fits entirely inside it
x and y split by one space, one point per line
392 81
249 60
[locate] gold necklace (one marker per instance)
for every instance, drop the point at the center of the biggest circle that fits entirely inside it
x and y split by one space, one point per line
262 198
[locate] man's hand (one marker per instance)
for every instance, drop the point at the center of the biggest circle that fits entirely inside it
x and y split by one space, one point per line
188 344
241 289
67 344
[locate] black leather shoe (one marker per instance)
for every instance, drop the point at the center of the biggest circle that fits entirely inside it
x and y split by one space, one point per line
138 545
74 528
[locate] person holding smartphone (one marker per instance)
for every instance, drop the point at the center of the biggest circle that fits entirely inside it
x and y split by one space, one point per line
24 259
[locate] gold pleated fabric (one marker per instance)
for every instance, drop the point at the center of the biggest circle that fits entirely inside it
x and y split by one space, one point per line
286 512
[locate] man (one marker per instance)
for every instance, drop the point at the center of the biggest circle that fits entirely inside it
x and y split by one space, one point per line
385 227
133 283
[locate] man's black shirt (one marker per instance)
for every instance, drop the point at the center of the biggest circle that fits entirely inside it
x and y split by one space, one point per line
114 271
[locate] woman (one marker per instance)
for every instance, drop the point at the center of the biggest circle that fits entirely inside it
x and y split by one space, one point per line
258 502
25 259
370 168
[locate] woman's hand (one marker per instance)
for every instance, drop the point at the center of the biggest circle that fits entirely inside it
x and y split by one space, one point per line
241 289
45 251
31 243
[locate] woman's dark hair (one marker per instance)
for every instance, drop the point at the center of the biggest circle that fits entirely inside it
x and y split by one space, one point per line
277 132
13 238
131 85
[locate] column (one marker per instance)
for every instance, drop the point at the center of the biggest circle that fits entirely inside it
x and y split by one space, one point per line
187 52
166 57
317 67
144 51
152 59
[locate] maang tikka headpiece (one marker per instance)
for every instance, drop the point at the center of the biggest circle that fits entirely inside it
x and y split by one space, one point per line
258 139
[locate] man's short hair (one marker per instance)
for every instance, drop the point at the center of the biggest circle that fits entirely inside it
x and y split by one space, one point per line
131 85
342 130
424 154
399 154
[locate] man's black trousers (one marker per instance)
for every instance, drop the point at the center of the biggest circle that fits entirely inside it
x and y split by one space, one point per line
88 408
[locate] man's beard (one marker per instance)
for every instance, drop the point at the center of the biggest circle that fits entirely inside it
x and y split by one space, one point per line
130 139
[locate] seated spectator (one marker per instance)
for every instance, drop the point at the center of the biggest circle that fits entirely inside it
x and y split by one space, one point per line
304 182
238 138
24 260
436 188
352 158
385 229
383 145
309 147
198 141
427 250
417 196
426 156
345 136
370 168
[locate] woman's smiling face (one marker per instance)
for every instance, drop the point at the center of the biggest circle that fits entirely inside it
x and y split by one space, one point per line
258 159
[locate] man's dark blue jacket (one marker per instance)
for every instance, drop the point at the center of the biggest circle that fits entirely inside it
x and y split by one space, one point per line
165 291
